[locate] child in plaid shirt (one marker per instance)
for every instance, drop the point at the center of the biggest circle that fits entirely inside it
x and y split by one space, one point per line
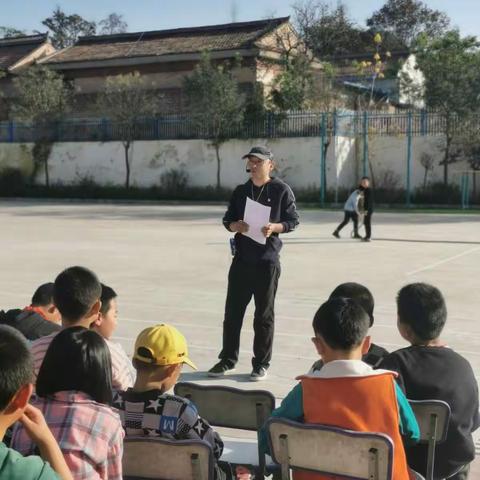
74 388
16 374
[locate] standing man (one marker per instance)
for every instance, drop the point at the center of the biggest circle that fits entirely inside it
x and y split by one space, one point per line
368 206
255 267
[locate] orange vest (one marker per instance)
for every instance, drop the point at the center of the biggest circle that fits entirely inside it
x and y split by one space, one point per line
364 404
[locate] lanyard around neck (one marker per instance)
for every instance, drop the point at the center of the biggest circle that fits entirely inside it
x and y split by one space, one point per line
260 194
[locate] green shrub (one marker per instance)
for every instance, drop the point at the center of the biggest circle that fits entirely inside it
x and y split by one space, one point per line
174 181
12 182
438 194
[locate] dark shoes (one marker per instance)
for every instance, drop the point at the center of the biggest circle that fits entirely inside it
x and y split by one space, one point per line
258 374
365 239
220 369
223 368
357 236
336 234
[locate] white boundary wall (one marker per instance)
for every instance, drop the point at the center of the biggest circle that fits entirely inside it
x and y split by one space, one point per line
298 161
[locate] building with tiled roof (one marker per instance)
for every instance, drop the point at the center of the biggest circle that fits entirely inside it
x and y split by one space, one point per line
165 57
17 53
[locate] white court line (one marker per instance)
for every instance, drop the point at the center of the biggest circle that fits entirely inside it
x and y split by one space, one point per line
220 327
441 262
247 330
306 337
389 326
244 352
380 309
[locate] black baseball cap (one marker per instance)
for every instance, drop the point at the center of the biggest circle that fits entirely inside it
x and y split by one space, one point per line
263 153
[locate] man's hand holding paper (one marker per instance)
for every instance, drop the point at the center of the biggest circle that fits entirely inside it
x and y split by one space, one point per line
257 216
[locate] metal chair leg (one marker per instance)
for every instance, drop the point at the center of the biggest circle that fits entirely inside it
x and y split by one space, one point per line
373 464
432 436
285 457
196 470
261 457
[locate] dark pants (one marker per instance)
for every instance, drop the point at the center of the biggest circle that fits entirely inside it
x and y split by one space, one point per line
349 215
367 221
245 281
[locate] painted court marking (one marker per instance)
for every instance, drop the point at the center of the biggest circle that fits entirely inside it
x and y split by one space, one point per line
441 262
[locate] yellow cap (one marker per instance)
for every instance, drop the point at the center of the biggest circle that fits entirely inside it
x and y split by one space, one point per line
162 345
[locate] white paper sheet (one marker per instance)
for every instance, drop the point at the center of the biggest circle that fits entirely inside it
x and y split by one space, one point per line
257 216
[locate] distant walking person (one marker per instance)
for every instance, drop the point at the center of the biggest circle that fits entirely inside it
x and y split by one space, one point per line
368 206
350 210
255 267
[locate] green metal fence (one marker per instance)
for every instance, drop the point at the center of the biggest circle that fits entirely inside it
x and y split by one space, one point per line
362 125
270 125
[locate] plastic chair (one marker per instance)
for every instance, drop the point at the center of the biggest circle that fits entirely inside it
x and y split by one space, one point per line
330 450
162 459
433 417
232 408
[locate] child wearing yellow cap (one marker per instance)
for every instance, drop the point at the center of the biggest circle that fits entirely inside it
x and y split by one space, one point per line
147 409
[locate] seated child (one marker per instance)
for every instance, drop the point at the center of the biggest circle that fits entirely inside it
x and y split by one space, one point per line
74 388
39 319
105 325
147 408
340 326
364 298
428 369
16 374
76 294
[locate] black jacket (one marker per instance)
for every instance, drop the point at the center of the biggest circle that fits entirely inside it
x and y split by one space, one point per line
275 194
30 324
440 373
368 201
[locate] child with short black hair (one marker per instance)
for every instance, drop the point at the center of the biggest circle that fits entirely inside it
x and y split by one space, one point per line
77 292
105 325
106 322
341 326
38 319
147 408
16 373
364 298
427 370
362 295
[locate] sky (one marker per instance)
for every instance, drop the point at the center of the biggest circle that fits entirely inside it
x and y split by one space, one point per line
143 15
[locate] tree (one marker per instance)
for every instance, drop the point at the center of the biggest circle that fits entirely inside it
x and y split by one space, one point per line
374 69
293 88
114 23
451 66
467 146
65 29
11 32
43 99
215 103
126 100
407 19
427 161
327 30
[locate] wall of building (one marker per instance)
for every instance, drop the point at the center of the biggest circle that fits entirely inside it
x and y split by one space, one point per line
160 79
298 161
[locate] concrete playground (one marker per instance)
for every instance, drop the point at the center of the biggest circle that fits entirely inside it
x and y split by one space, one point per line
169 263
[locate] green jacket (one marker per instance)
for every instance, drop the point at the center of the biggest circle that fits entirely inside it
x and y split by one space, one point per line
15 467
